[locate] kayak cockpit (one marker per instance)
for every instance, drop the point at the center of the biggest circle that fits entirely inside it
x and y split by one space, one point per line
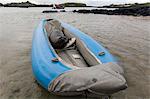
77 54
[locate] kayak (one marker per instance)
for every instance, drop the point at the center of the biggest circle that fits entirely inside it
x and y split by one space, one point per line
84 68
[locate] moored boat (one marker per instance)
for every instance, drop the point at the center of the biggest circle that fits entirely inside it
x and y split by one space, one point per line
58 6
85 66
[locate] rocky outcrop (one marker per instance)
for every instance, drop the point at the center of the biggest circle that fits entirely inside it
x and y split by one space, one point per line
25 4
53 11
1 4
29 4
22 4
49 11
135 11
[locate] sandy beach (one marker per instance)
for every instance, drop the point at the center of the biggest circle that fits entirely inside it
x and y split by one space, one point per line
126 37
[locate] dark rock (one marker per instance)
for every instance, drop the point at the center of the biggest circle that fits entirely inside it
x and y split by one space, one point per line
139 11
25 5
1 4
123 9
73 4
22 4
62 10
74 11
50 11
53 11
29 4
84 11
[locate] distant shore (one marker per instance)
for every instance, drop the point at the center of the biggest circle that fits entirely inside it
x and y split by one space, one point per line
132 9
121 9
29 4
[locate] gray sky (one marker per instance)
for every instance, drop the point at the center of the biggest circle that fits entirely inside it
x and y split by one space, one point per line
88 2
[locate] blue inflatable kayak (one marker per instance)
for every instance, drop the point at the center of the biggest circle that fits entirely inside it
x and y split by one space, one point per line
85 66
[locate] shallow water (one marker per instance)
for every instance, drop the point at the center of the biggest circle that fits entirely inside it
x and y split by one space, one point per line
126 37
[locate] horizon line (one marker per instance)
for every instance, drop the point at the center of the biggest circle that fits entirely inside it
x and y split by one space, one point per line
71 2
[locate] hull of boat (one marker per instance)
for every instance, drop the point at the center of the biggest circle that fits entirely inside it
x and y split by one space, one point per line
43 68
46 71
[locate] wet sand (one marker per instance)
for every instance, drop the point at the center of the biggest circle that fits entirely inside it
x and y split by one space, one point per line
126 37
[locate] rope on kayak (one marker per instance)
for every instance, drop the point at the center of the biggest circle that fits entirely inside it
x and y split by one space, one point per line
101 53
55 60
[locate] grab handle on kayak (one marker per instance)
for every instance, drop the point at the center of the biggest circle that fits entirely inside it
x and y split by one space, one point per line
55 60
101 53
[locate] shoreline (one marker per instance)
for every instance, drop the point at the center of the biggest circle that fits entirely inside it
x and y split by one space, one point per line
135 9
142 11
